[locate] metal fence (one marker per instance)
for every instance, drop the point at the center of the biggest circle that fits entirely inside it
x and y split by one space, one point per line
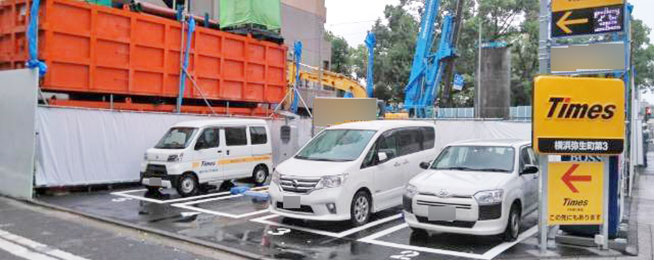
515 113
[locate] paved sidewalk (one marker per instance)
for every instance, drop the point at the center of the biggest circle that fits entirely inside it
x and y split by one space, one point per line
643 196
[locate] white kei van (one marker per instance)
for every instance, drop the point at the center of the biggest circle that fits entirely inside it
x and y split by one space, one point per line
207 152
351 170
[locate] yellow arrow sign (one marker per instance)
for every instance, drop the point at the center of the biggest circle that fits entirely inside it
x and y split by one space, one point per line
564 22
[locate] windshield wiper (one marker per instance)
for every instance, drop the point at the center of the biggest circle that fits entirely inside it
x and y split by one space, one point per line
458 168
492 170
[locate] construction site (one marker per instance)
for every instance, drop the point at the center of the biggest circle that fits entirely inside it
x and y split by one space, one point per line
236 129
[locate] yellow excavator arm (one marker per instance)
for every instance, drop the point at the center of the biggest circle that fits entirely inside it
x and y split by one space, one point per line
333 79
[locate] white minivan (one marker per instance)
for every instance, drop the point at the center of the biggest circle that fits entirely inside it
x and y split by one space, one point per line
208 152
350 171
475 188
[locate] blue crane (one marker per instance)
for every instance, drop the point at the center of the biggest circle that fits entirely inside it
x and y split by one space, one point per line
427 68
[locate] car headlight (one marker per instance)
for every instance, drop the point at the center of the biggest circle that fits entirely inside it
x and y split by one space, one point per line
175 157
489 197
410 190
331 181
276 176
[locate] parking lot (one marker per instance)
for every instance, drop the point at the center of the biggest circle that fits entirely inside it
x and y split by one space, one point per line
243 223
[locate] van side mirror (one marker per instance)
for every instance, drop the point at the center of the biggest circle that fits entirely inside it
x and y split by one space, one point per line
425 165
529 169
382 157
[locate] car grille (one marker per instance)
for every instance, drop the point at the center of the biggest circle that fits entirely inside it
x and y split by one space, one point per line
457 223
450 196
302 208
440 204
490 212
155 170
298 185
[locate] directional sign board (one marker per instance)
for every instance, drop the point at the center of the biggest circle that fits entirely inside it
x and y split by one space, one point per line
581 17
578 116
575 193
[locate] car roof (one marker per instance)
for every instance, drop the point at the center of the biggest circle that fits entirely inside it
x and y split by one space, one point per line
222 121
494 142
382 125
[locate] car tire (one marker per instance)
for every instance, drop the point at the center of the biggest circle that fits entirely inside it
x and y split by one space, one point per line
513 224
188 185
360 208
259 175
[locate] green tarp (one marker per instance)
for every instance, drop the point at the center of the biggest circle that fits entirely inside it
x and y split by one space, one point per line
237 13
100 2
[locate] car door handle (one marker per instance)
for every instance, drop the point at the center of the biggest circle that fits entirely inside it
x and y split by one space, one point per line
219 151
405 162
397 164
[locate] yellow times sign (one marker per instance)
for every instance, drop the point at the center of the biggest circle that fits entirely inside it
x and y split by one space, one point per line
565 5
578 115
574 195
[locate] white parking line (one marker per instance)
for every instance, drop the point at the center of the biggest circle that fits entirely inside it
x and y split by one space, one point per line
20 246
187 205
126 195
264 220
490 254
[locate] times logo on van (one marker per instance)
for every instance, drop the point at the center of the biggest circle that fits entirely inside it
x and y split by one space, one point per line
561 107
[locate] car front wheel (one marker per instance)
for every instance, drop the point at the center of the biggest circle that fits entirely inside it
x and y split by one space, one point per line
360 209
188 185
513 224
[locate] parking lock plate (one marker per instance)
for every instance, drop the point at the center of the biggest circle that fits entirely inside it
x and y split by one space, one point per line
291 202
441 213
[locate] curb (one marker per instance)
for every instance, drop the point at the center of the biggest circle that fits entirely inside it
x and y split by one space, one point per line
632 235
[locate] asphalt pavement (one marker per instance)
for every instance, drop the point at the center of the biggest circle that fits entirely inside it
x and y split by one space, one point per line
33 232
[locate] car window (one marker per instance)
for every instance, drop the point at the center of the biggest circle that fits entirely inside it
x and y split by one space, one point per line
177 138
534 158
258 135
388 145
428 137
235 136
336 145
524 157
208 139
409 141
476 158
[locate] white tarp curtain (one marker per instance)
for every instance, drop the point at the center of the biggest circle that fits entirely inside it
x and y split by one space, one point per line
17 105
84 146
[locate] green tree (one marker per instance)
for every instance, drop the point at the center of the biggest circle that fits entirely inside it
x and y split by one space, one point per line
642 54
341 54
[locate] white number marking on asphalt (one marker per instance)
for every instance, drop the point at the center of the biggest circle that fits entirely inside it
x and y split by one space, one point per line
406 255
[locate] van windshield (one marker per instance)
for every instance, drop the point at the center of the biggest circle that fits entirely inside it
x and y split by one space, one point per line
337 145
177 138
476 158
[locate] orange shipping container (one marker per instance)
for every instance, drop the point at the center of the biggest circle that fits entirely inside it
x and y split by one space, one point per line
95 49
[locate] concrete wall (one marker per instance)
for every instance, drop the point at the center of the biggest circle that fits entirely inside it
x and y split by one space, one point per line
495 91
18 99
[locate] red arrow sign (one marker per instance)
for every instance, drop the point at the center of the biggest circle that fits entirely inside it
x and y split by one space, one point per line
567 178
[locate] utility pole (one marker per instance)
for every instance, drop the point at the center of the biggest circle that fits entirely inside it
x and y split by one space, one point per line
478 87
446 97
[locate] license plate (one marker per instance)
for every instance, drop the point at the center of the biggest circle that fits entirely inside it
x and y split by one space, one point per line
291 202
444 213
155 181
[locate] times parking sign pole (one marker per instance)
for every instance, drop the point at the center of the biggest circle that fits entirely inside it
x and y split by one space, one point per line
542 209
605 203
